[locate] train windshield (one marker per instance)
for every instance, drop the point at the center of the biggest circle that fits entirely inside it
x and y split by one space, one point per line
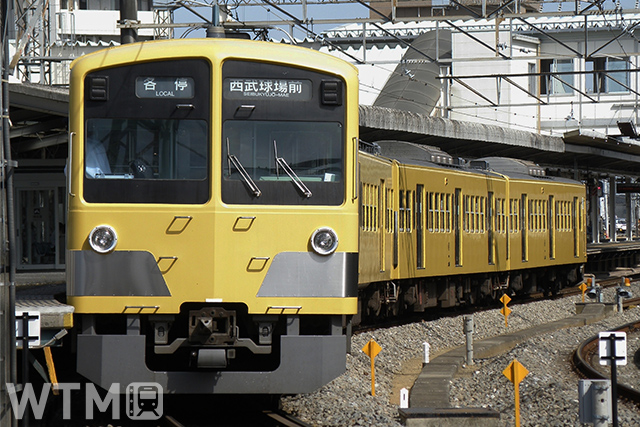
146 161
282 162
146 149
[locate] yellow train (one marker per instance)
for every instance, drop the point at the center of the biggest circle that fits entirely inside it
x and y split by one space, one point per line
223 222
435 232
213 217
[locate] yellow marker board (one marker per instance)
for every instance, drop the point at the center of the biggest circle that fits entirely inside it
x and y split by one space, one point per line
515 373
583 288
372 349
506 311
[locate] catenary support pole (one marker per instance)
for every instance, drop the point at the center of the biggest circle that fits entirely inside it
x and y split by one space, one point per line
9 241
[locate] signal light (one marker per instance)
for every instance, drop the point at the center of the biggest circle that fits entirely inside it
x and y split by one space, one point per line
624 293
595 293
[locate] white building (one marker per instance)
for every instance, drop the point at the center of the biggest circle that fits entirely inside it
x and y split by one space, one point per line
548 74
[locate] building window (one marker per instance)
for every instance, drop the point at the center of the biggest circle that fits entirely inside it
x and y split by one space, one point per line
533 79
556 84
143 5
614 80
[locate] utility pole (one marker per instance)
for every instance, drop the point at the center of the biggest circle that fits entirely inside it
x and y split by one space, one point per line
5 330
128 15
5 335
8 366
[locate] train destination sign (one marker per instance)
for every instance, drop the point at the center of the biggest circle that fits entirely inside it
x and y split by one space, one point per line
165 87
267 89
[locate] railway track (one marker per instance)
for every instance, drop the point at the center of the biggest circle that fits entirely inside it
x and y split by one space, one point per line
605 283
586 353
265 418
434 313
230 412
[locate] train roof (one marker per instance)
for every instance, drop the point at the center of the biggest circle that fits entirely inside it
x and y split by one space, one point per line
508 166
516 168
410 153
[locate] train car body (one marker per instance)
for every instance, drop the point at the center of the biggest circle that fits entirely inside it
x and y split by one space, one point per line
213 215
434 234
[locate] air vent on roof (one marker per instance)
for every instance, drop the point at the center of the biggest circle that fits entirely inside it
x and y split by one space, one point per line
478 164
369 147
507 165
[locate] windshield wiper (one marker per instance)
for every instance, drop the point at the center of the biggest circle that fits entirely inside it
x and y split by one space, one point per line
294 178
243 173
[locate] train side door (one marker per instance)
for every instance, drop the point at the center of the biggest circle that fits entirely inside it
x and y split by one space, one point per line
382 214
419 226
456 226
524 227
489 225
574 227
552 228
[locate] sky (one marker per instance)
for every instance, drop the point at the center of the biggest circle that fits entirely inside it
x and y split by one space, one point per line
268 13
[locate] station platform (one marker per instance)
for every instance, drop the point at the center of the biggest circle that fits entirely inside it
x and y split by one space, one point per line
609 246
41 292
606 256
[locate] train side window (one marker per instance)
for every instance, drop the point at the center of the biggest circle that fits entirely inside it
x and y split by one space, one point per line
361 205
465 213
500 217
401 210
389 204
438 223
375 196
448 213
532 218
408 211
514 221
443 226
482 205
433 212
366 196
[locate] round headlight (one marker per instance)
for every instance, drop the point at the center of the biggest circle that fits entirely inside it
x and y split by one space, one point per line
324 241
103 239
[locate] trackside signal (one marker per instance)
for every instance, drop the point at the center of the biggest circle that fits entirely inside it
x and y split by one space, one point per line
505 311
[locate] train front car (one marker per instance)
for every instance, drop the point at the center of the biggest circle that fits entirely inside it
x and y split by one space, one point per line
213 215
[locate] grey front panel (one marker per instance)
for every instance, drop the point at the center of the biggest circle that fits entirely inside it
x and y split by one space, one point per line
120 273
306 274
306 363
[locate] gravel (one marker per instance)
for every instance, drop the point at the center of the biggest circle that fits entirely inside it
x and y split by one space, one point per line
548 394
